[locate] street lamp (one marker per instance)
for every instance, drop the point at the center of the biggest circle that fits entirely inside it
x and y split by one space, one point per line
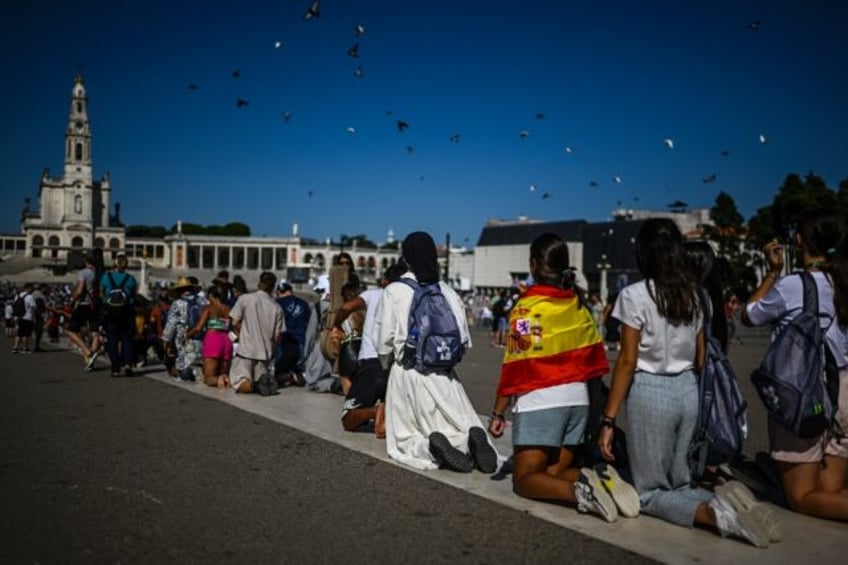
604 264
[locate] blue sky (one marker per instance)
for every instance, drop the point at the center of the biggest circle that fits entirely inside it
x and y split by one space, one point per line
612 78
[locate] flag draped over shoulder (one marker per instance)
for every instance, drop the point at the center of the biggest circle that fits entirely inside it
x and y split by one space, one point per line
552 341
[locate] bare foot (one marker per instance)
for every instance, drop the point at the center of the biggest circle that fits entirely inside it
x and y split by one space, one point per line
223 382
380 421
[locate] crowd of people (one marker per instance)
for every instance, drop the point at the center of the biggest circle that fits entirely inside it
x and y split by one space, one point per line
366 345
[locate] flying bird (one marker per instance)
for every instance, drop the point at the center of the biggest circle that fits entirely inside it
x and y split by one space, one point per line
755 25
569 150
357 72
725 152
309 193
241 102
287 116
669 142
389 113
710 179
763 139
192 86
350 129
409 149
617 179
353 51
278 44
454 138
402 125
236 73
593 184
546 195
523 134
358 30
532 188
540 116
312 11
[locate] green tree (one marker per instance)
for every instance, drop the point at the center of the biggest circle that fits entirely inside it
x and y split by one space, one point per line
728 232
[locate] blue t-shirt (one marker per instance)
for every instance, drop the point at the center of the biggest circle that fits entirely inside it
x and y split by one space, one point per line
296 311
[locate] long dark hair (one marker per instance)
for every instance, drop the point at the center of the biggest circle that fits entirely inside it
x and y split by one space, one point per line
660 256
701 259
823 233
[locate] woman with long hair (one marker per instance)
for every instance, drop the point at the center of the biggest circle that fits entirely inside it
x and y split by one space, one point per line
662 349
812 470
217 346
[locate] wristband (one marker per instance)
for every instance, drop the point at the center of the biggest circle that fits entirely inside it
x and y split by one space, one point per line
607 422
496 416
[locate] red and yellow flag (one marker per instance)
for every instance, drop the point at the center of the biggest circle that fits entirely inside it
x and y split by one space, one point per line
552 341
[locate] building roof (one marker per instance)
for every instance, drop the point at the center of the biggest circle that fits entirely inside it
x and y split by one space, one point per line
523 233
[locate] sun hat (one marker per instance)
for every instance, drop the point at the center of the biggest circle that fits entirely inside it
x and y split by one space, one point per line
183 284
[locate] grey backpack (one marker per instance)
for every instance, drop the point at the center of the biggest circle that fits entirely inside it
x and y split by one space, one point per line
792 379
434 342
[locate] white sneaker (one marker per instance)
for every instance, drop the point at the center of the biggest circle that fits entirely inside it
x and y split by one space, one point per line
740 497
593 497
737 522
623 494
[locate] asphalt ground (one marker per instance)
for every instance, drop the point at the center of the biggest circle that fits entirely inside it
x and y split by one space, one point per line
102 470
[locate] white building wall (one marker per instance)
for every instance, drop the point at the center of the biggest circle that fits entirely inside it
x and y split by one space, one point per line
492 265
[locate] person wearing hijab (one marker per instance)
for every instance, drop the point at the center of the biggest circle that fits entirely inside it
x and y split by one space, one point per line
430 422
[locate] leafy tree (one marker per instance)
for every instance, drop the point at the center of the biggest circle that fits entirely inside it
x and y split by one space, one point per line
360 239
728 232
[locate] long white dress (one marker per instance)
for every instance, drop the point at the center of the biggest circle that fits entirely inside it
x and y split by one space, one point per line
416 404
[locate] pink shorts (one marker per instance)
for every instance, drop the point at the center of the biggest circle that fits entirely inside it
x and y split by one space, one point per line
217 345
785 446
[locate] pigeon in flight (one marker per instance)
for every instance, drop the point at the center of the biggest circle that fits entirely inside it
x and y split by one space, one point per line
353 51
755 25
409 149
358 30
546 195
532 188
725 152
278 44
402 125
389 113
312 11
593 184
241 102
287 116
309 193
357 72
763 139
350 129
569 150
192 86
540 116
523 134
617 179
669 142
710 179
236 73
454 138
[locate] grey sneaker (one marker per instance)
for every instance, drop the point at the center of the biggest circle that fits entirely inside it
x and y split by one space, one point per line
593 497
756 520
623 494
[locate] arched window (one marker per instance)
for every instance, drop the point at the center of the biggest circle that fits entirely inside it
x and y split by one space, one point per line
98 242
37 244
76 242
114 243
53 243
78 152
77 204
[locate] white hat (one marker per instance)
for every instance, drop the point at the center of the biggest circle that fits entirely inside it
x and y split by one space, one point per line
323 284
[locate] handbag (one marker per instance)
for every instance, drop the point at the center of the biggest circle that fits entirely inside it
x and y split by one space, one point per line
349 355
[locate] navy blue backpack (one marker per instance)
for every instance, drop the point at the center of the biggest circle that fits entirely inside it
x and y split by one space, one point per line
434 342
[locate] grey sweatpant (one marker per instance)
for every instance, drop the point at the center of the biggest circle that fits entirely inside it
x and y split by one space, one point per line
662 412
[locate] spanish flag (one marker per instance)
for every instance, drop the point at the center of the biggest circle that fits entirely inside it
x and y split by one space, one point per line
552 340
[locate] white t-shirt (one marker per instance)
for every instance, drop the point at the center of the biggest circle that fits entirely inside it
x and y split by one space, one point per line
664 348
9 311
372 298
785 300
566 394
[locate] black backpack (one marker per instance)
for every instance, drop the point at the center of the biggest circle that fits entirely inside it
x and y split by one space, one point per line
797 377
19 306
722 411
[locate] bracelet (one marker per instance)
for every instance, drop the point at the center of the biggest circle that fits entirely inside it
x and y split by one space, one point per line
496 416
607 422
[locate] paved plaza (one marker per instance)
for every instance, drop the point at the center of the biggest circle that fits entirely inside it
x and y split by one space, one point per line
150 470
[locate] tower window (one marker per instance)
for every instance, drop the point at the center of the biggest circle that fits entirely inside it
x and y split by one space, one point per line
79 107
78 204
78 152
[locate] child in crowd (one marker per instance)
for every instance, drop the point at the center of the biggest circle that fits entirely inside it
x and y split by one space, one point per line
812 470
553 349
662 347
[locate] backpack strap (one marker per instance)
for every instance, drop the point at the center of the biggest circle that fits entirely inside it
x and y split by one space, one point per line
811 293
704 299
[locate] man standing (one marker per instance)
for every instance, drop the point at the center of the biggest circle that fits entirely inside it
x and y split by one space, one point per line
39 314
25 314
119 289
258 320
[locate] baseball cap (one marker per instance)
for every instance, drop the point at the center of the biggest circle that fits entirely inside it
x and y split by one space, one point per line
284 286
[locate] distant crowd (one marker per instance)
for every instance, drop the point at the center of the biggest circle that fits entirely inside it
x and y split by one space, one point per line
393 353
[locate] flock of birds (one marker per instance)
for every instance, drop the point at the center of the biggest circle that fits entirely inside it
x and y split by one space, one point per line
314 12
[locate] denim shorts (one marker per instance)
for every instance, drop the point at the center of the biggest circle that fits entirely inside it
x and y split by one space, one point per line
551 427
